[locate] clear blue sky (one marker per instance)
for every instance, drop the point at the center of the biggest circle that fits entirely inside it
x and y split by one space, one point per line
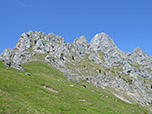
127 22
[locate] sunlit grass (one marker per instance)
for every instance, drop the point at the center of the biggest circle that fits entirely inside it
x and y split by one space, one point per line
22 94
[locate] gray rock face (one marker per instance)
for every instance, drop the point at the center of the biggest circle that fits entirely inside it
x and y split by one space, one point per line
94 58
102 42
99 62
24 42
40 46
7 54
82 41
141 57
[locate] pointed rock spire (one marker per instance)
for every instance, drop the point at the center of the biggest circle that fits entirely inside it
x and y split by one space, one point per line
138 52
102 42
140 56
81 40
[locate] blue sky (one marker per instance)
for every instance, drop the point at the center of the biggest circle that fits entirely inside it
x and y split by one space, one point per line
127 22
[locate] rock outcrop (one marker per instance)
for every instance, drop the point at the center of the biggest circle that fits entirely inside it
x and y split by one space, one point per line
99 62
102 42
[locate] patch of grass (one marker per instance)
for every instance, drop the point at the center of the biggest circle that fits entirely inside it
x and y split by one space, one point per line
22 94
149 69
101 56
137 66
30 50
40 56
127 79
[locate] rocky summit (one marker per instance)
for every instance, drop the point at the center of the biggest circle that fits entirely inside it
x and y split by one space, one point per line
127 75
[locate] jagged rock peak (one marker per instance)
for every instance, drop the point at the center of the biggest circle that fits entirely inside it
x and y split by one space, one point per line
113 68
102 42
81 40
32 38
141 57
137 50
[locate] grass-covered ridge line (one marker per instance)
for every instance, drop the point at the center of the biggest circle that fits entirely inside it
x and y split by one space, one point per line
21 94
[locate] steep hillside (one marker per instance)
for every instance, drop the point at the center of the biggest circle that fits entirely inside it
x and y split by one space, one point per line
43 89
128 76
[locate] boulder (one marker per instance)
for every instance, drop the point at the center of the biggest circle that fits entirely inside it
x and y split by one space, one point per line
28 74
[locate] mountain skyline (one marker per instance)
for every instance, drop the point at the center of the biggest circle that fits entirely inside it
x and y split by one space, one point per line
128 23
99 62
86 39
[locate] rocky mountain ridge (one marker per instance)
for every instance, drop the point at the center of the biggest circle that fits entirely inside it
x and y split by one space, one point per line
100 62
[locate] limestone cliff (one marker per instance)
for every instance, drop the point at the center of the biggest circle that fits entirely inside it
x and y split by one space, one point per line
100 62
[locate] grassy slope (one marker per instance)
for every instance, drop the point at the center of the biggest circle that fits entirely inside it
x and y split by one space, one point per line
21 94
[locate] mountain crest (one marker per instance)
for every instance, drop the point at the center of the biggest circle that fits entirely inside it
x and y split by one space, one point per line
102 42
99 62
138 50
81 40
141 57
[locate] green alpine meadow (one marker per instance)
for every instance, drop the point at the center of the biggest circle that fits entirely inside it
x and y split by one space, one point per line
47 91
43 74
